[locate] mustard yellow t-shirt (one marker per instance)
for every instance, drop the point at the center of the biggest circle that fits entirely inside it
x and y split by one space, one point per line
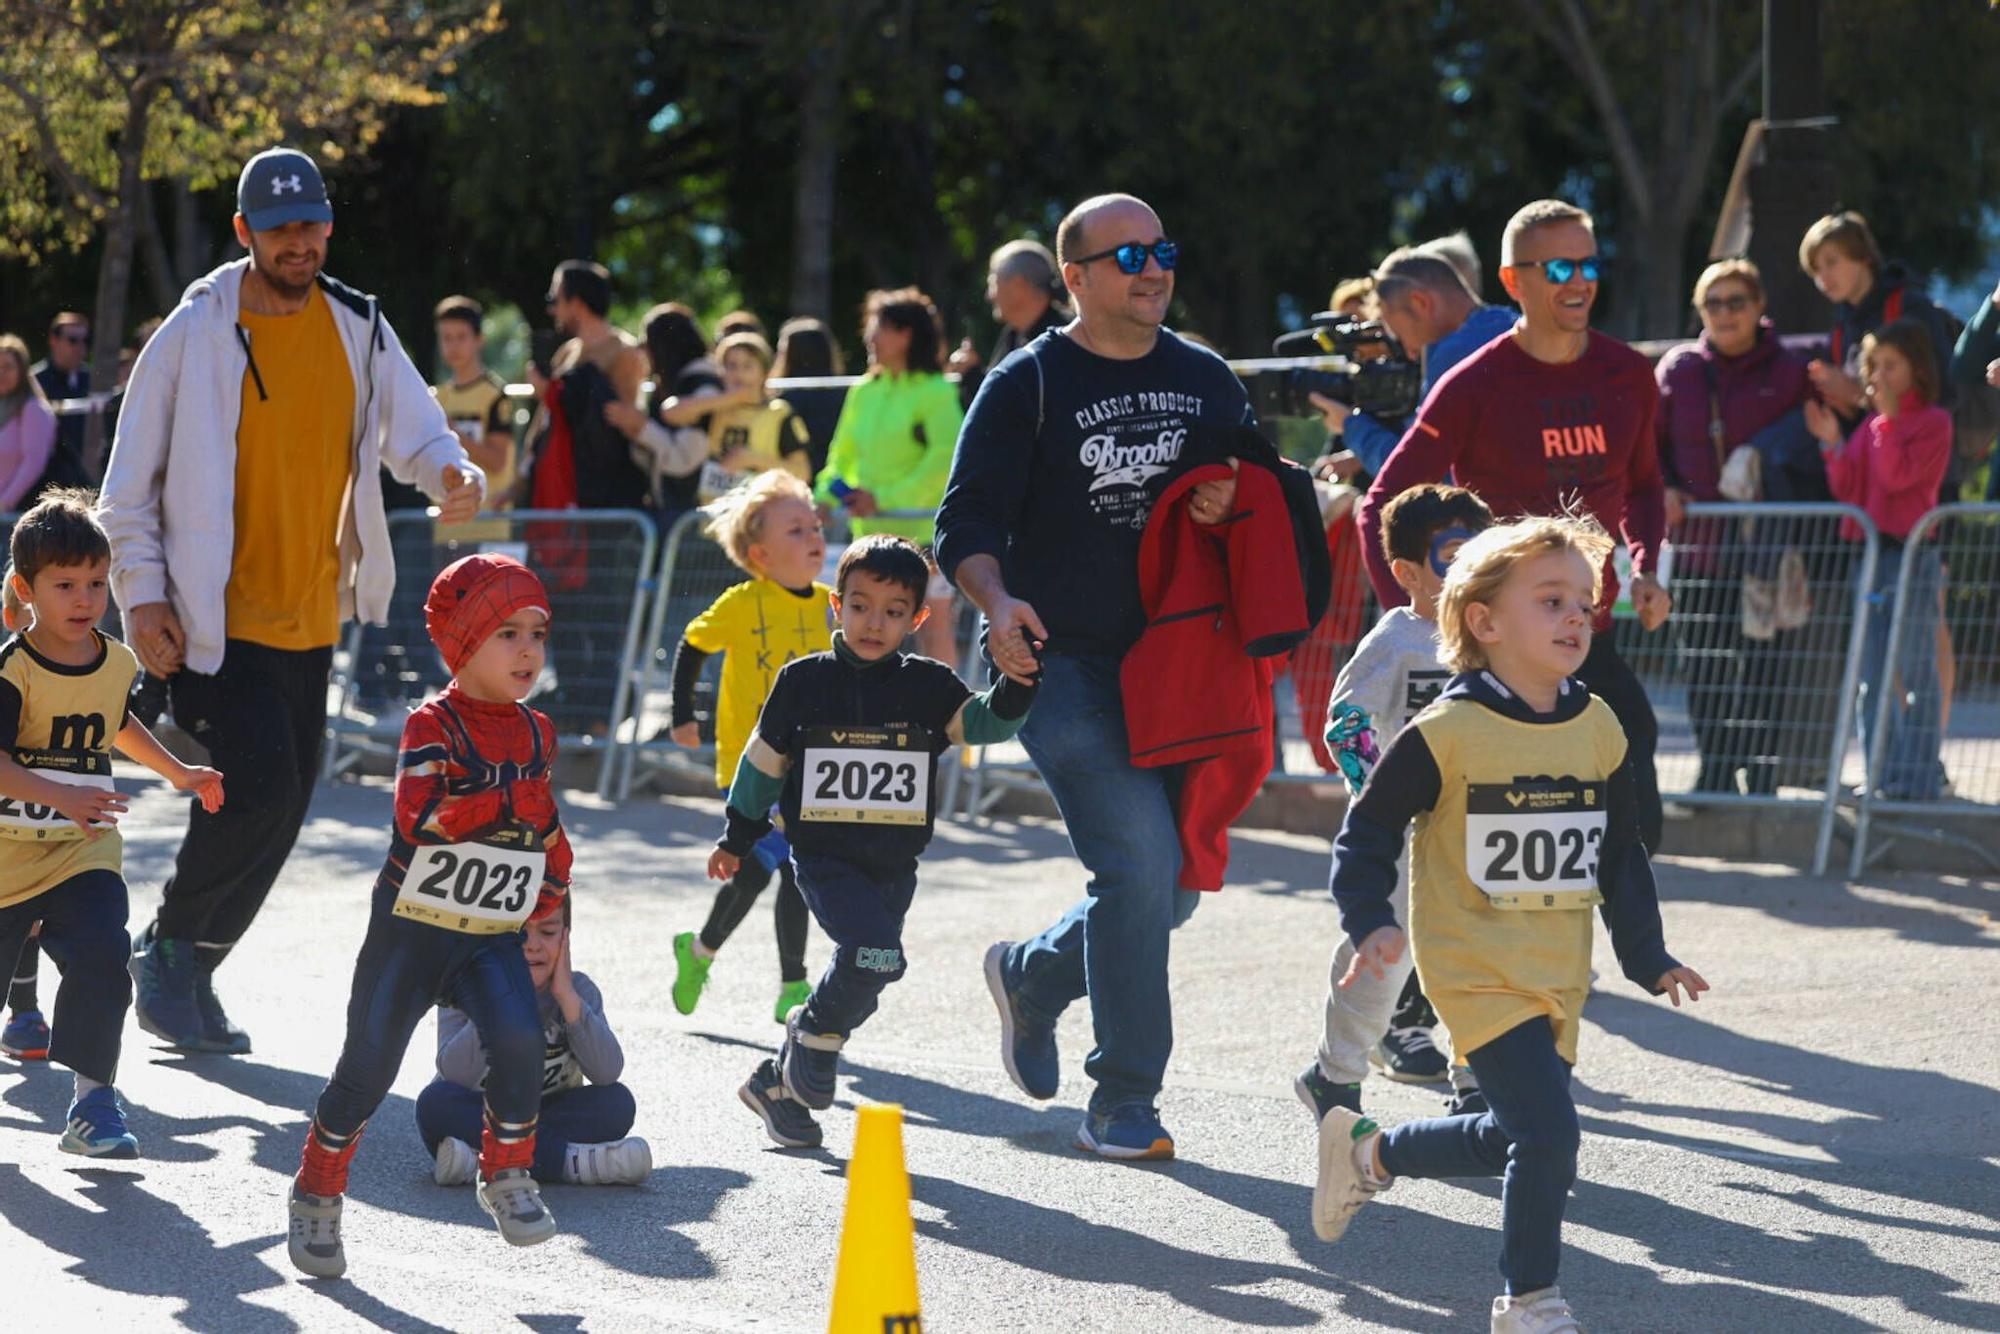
294 459
758 626
1503 867
59 721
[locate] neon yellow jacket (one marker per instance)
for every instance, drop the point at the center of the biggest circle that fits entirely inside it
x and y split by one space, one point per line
894 440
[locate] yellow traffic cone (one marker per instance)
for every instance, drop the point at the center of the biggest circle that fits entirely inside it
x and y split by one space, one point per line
875 1280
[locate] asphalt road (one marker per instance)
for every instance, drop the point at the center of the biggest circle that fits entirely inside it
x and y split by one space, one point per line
1813 1148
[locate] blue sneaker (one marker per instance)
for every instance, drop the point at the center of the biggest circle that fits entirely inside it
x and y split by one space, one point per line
1128 1133
1027 1046
1321 1095
26 1037
164 974
97 1127
810 1062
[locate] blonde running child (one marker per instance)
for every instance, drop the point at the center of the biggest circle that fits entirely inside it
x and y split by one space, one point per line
771 531
1505 866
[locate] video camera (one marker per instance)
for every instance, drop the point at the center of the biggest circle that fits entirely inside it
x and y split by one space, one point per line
1362 365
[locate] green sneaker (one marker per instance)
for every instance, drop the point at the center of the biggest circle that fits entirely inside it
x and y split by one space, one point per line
791 996
690 973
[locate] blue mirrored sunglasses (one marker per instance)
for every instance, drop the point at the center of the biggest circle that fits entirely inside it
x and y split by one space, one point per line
1131 257
1560 271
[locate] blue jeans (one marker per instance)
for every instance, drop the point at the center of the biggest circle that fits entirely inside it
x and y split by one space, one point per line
1910 751
1111 946
83 933
1529 1139
592 1114
405 969
861 909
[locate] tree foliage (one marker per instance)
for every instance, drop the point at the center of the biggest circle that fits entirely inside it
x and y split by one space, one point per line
790 156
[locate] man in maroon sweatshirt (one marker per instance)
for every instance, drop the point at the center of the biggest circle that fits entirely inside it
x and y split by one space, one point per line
1546 416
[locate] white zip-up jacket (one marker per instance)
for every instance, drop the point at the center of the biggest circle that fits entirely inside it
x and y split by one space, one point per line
169 498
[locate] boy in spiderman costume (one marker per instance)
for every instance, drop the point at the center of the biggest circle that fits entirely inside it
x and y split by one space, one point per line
478 849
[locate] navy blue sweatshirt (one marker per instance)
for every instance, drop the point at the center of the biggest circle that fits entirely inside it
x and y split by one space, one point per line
1058 466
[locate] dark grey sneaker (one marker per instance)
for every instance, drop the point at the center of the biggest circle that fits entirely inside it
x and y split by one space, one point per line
163 974
1027 1046
1321 1095
810 1062
786 1120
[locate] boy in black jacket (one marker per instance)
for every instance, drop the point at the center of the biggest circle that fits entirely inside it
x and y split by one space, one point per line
847 747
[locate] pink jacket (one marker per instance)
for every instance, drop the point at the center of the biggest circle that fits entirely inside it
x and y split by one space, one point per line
1892 468
25 443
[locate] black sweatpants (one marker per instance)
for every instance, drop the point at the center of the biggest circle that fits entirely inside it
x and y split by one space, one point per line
261 718
1612 680
83 933
734 900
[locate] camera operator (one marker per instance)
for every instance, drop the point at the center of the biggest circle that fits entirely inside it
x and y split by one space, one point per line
1424 301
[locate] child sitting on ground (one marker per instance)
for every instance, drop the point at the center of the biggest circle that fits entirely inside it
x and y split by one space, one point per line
581 1136
477 850
1505 866
63 684
1394 674
771 531
847 745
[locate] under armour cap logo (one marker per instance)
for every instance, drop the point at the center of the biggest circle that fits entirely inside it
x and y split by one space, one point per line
292 182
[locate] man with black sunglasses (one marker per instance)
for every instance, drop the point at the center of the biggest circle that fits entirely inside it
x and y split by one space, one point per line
1553 416
1065 449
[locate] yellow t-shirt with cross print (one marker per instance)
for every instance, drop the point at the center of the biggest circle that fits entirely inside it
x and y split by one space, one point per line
758 626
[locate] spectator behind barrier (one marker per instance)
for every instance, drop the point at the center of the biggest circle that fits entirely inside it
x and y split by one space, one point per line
65 375
1354 297
807 350
1425 301
751 432
1025 293
27 427
1731 405
1891 467
671 437
740 321
1975 374
892 447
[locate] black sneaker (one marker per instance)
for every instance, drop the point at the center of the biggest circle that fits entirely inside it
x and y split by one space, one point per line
1408 1056
163 1000
1321 1095
786 1121
1466 1102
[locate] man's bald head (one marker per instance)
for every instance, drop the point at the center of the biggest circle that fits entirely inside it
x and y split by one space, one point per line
1101 215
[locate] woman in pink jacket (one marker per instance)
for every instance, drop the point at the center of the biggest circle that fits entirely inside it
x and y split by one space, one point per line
27 427
1891 467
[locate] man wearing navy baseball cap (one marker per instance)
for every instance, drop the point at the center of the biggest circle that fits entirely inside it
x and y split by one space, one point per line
244 504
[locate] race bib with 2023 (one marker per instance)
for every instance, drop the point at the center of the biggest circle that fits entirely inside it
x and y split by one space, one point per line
31 821
478 888
866 775
1534 843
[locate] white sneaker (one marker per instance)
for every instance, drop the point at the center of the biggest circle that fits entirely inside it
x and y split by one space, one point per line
1542 1311
622 1162
1340 1188
456 1164
514 1203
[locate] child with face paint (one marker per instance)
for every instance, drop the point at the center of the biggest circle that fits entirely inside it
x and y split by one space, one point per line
1394 674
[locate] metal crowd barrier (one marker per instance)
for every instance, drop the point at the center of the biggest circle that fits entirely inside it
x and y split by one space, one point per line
1752 678
596 565
1934 742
